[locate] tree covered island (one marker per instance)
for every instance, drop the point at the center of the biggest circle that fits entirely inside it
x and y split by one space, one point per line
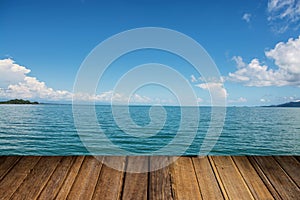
18 101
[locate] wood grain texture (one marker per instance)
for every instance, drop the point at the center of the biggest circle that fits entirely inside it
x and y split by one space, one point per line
110 181
70 179
263 177
184 180
252 179
86 180
136 184
291 166
235 186
6 163
283 184
209 186
212 177
56 180
160 179
11 182
37 178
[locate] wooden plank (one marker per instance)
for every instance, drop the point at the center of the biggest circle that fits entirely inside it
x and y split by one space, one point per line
206 178
213 166
16 176
37 179
135 184
231 179
6 163
184 180
252 179
66 187
263 177
110 181
291 166
160 179
57 178
286 188
86 180
191 178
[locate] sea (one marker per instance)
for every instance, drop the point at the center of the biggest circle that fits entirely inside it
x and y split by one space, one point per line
54 129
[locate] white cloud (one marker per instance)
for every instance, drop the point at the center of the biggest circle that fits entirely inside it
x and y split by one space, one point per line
193 79
135 98
284 14
109 96
114 97
216 89
106 97
119 98
16 83
11 73
247 17
239 100
290 98
287 55
33 88
264 100
287 59
239 61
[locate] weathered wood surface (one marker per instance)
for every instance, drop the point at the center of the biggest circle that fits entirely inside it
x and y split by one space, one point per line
213 177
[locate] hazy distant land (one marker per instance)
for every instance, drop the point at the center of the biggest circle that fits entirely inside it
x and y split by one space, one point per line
289 104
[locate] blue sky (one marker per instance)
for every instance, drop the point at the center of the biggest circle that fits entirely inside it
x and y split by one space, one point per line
52 38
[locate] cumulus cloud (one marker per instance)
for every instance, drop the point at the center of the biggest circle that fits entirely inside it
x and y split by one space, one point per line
247 17
107 97
11 73
284 14
287 59
15 82
239 61
113 97
216 89
33 88
135 98
287 55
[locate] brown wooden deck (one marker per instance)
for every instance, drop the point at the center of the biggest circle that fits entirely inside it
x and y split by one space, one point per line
217 177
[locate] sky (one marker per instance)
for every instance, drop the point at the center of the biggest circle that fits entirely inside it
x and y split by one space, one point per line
254 44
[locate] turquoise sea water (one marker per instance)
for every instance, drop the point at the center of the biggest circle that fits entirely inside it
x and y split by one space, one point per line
50 130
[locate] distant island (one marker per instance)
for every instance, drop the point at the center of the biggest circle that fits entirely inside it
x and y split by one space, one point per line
289 104
18 101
